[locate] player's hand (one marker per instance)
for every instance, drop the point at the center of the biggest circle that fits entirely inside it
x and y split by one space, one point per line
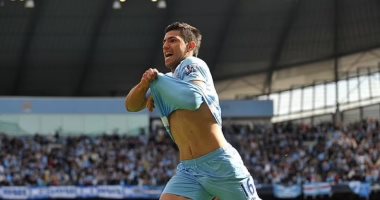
150 104
148 76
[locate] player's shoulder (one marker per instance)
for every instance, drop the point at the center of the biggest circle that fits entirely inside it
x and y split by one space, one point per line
193 61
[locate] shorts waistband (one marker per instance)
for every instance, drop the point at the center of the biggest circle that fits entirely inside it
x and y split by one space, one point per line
206 157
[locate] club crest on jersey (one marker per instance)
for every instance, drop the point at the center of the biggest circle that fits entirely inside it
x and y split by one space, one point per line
189 69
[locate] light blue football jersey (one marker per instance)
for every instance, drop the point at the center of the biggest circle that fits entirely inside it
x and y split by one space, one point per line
176 91
195 69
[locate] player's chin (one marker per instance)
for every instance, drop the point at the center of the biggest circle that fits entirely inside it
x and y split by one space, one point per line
167 65
170 64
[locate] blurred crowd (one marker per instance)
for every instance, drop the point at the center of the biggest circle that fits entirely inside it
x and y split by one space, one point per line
280 153
86 160
290 154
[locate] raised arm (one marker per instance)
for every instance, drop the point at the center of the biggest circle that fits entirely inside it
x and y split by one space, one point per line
136 99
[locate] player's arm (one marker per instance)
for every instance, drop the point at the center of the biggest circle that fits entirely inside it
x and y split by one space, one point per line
194 74
136 99
199 83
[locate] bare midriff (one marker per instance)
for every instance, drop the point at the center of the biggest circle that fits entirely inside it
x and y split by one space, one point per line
196 133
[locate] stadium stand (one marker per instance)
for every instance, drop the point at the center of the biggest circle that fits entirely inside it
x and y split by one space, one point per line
286 154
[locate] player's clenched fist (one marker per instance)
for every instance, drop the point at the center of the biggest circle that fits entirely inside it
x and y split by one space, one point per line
150 104
149 75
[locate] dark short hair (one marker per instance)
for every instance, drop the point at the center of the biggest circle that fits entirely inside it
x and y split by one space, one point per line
188 33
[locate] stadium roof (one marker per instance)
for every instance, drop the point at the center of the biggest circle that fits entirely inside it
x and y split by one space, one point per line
87 48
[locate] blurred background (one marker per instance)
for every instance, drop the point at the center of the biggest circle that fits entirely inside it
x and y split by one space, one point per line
299 83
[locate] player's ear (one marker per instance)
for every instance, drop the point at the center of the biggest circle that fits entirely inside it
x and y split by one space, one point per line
191 46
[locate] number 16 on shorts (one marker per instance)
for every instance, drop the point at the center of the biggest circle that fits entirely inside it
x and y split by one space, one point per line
249 188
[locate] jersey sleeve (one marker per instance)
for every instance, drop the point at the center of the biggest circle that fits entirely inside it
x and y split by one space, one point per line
193 72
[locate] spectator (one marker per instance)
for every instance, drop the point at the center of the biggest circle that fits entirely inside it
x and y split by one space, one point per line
285 153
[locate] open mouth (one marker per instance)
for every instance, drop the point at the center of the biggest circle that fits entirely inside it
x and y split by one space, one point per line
167 55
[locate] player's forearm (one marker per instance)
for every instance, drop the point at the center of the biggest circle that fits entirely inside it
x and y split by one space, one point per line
136 100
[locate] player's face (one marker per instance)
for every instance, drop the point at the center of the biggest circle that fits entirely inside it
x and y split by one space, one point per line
174 49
